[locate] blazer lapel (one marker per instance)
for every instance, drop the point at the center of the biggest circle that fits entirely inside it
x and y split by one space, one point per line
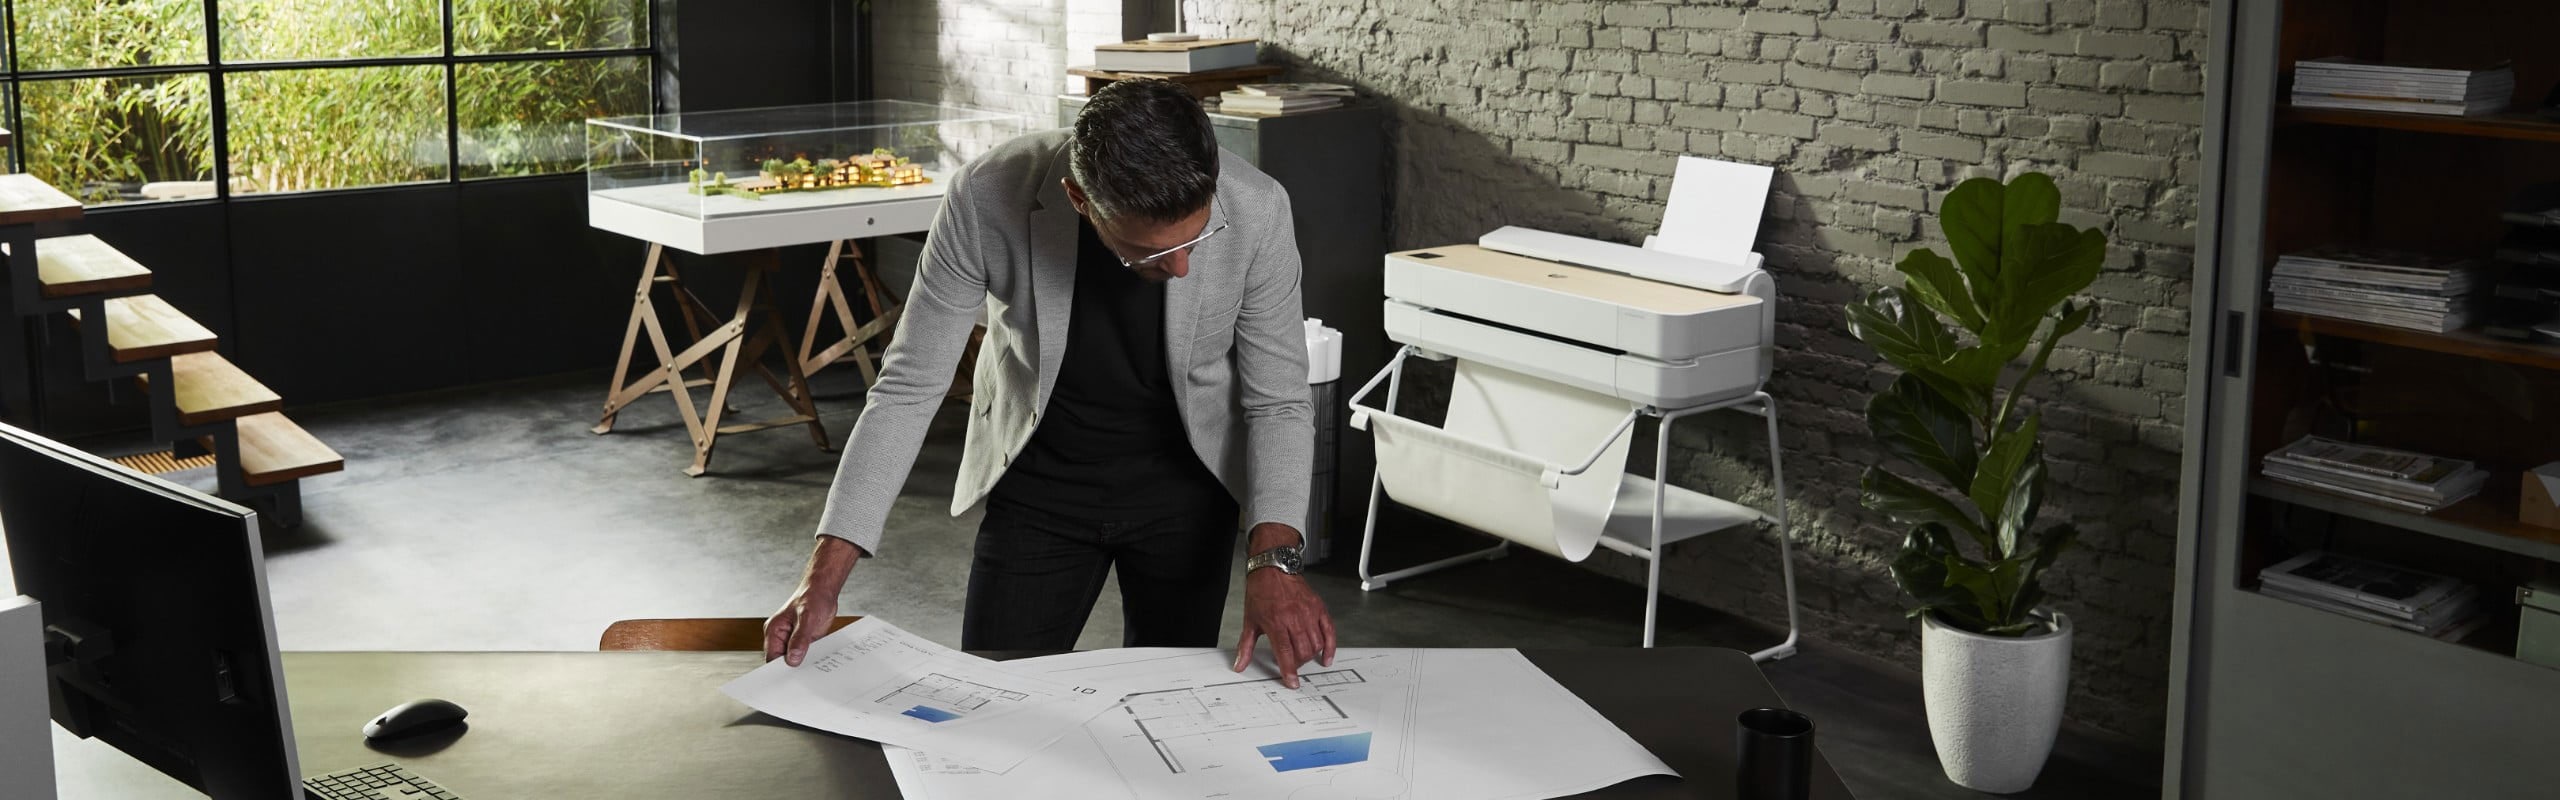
1182 299
1053 272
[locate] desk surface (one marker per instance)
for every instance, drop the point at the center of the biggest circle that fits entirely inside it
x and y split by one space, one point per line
650 725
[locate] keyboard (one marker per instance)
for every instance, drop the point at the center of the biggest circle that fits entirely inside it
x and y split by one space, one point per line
384 782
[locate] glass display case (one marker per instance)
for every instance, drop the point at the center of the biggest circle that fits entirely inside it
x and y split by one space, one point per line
720 181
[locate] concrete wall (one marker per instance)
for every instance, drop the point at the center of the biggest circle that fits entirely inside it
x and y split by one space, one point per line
1568 115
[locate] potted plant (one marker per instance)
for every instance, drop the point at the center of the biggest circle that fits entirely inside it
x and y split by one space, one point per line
1995 663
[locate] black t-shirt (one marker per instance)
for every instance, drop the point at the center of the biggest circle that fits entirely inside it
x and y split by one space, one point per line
1111 445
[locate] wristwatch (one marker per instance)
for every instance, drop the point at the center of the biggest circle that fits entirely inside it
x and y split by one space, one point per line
1284 557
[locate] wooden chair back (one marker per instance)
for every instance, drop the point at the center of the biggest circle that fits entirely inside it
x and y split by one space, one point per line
726 633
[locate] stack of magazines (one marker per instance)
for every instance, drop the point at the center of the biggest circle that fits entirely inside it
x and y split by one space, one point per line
2382 287
2398 479
2339 82
1275 99
2407 599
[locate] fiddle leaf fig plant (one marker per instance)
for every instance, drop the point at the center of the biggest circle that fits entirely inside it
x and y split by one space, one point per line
1973 555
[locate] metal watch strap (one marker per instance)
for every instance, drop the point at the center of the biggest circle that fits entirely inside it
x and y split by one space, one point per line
1273 558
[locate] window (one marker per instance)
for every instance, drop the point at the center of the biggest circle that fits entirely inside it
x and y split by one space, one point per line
121 101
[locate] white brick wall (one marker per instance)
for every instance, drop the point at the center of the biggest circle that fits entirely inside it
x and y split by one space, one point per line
1567 115
1008 55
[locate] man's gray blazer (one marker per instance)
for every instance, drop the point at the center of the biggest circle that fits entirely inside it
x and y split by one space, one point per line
1006 237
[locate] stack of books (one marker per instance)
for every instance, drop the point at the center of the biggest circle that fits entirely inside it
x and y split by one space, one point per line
1175 57
2402 290
2339 82
2399 479
1274 99
2407 599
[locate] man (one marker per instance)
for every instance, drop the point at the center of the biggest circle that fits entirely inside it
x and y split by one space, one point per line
1144 369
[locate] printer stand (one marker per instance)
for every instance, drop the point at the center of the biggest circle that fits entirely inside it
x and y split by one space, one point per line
1647 516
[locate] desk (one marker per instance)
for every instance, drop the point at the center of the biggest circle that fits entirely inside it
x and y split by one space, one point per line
653 725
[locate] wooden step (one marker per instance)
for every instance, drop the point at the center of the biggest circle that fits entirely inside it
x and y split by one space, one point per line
209 389
84 264
274 450
25 200
145 327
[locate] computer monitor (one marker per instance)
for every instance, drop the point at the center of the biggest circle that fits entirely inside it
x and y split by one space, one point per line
159 637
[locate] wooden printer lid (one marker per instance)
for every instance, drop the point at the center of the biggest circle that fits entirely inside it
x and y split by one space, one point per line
1596 284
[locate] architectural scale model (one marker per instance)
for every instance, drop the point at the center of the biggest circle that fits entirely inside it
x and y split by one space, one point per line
881 168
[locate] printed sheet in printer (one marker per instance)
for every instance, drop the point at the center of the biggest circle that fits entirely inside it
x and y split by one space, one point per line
1376 725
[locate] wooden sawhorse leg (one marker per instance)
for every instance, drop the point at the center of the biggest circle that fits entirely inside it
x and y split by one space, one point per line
657 270
730 339
858 339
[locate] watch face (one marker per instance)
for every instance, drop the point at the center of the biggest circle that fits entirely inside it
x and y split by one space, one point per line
1286 558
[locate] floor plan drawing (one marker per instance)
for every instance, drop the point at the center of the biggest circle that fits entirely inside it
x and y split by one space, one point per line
874 681
1376 724
1169 717
941 698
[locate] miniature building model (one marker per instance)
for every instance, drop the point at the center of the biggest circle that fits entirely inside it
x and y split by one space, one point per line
880 169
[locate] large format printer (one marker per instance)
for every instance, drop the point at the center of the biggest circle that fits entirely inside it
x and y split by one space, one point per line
1561 344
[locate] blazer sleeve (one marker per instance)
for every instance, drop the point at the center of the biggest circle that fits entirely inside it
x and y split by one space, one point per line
1271 364
933 331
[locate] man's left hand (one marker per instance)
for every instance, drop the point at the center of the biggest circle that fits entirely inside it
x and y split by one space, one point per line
1281 606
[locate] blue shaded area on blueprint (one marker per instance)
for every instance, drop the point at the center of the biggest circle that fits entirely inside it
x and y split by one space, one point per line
1349 748
930 714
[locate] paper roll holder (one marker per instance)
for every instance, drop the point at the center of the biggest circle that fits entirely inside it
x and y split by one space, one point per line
1674 513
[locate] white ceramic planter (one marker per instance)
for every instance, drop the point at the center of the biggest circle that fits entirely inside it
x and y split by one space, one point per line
1994 702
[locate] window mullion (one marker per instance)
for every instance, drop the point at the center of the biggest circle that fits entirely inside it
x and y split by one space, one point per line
452 104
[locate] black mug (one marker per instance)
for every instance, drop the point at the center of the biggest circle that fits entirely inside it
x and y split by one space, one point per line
1773 755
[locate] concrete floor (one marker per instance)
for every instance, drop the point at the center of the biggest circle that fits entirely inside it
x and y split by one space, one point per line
489 519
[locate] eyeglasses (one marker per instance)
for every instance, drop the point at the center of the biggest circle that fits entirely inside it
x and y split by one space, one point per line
1134 263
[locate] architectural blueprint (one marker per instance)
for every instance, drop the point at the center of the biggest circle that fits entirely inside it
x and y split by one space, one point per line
1375 725
877 682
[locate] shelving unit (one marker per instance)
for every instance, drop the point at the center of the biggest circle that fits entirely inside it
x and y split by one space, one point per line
2487 520
2467 344
2511 125
2270 698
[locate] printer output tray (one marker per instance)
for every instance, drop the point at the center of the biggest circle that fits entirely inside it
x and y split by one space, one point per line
1661 384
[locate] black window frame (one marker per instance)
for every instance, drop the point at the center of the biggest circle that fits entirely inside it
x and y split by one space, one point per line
215 70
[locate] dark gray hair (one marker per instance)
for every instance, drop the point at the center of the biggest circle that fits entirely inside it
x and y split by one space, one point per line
1144 148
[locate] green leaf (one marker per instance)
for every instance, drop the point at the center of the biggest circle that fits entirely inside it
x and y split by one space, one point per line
1920 569
1910 338
2053 262
2018 511
1979 367
1971 216
2000 464
2027 201
2074 315
1979 583
2052 543
1934 281
2007 577
1916 423
1909 504
2049 545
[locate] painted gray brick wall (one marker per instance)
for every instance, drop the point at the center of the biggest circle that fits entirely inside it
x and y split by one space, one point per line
1007 55
1568 115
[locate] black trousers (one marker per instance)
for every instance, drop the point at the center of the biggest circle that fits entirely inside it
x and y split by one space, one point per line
1037 575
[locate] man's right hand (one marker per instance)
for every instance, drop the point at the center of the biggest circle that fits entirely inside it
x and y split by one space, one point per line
812 608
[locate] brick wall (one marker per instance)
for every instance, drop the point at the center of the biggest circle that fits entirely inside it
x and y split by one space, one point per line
1567 116
1007 55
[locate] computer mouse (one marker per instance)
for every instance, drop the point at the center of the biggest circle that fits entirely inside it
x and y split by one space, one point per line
413 718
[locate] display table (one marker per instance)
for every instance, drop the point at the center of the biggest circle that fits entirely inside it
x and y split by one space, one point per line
639 725
756 179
